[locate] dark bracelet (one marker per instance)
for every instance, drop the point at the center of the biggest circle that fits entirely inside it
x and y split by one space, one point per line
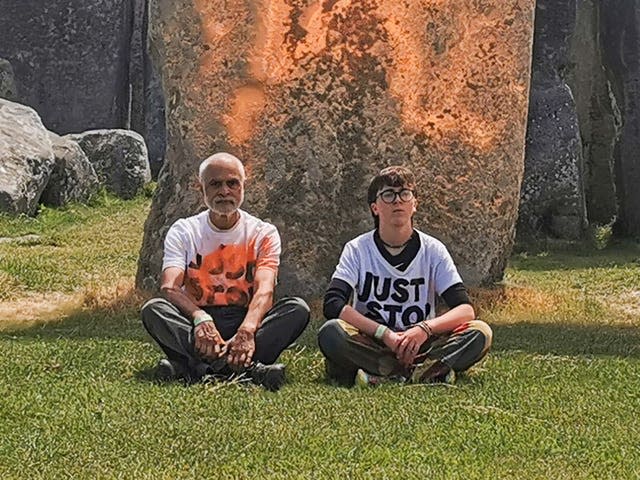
425 327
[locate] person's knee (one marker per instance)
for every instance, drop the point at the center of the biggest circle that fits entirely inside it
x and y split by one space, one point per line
302 312
486 334
151 311
330 338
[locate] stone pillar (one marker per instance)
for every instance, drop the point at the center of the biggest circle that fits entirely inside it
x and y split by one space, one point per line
552 200
71 60
620 30
598 117
315 97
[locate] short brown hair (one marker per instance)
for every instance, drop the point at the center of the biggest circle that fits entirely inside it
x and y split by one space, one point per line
393 176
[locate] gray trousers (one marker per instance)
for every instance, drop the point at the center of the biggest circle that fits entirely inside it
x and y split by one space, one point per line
346 350
173 332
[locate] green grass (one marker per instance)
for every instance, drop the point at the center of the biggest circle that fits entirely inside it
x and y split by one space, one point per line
557 397
74 247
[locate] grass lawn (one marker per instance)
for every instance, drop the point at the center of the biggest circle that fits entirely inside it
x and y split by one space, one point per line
558 397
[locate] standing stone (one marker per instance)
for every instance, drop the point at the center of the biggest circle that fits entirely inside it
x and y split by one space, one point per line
620 29
73 178
552 198
26 158
119 157
8 89
147 98
154 121
316 97
598 114
70 59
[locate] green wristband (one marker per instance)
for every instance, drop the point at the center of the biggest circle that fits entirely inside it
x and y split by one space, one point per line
201 319
380 332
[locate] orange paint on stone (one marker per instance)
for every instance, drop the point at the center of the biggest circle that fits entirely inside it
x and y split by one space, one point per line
434 60
269 61
430 80
217 31
246 107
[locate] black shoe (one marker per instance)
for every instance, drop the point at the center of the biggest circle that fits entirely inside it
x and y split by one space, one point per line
166 370
271 377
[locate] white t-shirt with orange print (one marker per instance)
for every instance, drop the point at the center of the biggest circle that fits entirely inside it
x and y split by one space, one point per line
220 265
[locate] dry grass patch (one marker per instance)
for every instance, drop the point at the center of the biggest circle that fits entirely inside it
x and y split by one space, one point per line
35 308
114 298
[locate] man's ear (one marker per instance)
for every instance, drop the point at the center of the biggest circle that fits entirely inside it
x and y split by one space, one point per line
374 208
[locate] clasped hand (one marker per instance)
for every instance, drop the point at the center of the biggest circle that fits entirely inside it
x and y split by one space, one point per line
406 345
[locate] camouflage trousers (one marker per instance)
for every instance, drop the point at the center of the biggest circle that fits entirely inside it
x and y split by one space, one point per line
346 350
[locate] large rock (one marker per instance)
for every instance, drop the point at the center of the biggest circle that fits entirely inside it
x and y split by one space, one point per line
8 89
71 60
598 114
620 31
552 198
73 178
119 157
315 99
26 158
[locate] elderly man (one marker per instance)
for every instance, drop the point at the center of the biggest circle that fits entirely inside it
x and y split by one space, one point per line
390 329
216 315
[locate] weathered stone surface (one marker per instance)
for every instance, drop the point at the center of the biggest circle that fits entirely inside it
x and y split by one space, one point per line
315 97
70 59
552 198
26 158
147 98
155 125
598 115
620 30
8 89
119 157
73 178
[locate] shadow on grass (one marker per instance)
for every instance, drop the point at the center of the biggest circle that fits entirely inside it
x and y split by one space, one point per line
98 323
580 258
540 338
568 339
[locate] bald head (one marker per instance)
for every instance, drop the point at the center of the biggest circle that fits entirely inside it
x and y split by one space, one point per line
223 160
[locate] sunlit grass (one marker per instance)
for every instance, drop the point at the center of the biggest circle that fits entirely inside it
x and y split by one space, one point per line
556 398
73 248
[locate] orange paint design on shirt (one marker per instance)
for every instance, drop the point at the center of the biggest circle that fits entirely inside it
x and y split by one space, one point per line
223 277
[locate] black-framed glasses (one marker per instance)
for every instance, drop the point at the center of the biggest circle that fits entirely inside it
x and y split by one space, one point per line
389 196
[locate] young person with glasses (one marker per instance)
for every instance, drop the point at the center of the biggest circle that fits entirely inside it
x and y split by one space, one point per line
392 274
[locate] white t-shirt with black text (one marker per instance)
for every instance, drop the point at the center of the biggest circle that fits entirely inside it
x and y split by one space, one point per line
395 298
